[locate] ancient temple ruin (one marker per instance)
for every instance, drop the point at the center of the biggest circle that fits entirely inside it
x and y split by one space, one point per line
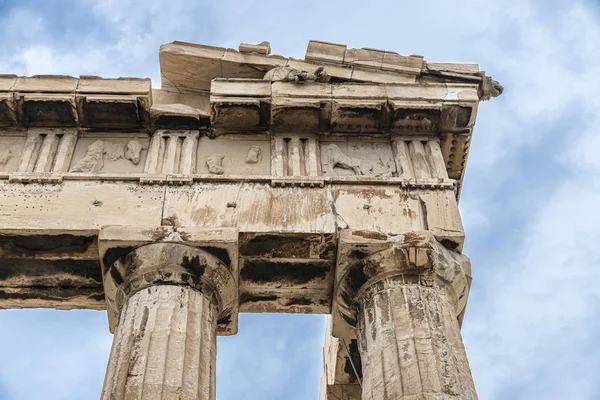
248 182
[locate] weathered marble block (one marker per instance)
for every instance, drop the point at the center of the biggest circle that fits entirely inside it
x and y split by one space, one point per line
234 155
100 153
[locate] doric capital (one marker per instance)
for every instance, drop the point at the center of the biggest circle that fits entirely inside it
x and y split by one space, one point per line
136 258
366 258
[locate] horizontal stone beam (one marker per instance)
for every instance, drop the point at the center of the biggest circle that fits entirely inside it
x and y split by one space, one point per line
287 235
189 67
64 101
352 108
180 157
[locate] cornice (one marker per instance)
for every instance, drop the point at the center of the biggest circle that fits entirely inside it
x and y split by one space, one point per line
370 94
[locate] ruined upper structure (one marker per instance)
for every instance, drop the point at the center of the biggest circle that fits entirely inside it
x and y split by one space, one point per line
248 182
218 90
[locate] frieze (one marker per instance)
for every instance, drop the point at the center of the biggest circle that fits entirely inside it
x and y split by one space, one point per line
180 157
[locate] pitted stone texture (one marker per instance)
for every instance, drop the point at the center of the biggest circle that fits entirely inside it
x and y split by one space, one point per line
342 392
164 347
134 259
410 343
367 257
342 368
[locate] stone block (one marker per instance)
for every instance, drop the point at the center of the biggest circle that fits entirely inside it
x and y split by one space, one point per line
128 86
7 82
106 152
46 84
261 48
356 157
8 112
189 68
52 110
342 72
240 105
83 205
412 117
361 74
395 62
324 51
177 116
234 155
248 65
364 58
113 111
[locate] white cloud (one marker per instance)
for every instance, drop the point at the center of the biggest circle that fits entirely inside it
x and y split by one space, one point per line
531 320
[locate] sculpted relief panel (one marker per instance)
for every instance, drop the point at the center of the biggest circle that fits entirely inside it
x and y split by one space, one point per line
186 153
10 152
358 158
100 153
234 155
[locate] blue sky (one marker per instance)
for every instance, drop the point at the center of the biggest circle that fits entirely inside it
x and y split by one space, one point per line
529 204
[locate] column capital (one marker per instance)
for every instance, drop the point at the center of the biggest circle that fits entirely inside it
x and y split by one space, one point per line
366 258
135 258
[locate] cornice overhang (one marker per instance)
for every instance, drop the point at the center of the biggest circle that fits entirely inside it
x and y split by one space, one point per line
190 68
216 90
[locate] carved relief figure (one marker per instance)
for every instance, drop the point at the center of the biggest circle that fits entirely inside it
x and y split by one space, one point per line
289 74
5 156
97 152
133 151
254 155
334 158
215 164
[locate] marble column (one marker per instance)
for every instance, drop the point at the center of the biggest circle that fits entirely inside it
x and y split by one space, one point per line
169 302
401 296
410 342
164 346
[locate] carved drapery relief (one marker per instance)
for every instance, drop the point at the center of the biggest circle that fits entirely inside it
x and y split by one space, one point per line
97 152
216 163
5 156
234 155
114 155
362 159
254 155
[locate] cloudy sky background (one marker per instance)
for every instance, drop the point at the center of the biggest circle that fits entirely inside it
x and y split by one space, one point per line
530 203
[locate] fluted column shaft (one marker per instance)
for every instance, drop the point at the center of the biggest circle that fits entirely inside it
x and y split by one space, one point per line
164 347
410 342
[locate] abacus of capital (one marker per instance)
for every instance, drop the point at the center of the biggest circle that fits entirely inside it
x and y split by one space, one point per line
248 182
